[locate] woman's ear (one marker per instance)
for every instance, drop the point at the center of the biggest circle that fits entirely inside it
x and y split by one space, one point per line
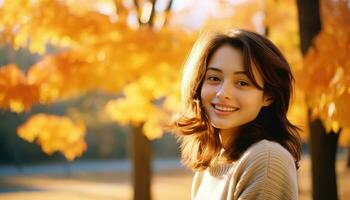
268 99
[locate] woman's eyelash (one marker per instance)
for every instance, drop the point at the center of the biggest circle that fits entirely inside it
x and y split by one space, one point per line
242 83
213 78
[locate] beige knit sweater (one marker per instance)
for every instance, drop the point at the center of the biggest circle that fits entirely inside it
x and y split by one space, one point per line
265 171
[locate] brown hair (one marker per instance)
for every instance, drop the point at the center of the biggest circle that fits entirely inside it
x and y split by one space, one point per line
200 142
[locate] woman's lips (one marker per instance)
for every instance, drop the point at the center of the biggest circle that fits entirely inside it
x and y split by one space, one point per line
222 109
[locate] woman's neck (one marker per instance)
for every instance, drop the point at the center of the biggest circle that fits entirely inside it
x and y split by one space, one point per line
227 137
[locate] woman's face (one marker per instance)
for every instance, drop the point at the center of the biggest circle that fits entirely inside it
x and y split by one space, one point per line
228 96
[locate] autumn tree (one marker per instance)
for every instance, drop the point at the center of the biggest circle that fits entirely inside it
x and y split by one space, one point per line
113 46
325 34
134 49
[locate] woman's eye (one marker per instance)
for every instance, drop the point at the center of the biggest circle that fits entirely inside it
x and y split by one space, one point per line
242 83
213 78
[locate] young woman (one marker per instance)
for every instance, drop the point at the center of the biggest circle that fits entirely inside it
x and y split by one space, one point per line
234 132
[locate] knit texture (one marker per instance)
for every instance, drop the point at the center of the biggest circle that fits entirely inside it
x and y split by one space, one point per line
266 170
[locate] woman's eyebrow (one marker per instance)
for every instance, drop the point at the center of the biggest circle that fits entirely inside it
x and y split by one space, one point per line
235 73
214 69
240 72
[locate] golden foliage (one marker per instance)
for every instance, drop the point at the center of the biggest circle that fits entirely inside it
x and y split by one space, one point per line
245 15
282 23
104 51
105 67
107 54
139 106
39 22
16 92
100 52
55 133
326 73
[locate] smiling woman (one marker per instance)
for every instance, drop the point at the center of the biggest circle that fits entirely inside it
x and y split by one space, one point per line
234 131
228 96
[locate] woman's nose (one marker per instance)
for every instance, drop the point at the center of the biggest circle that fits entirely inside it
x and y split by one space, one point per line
225 91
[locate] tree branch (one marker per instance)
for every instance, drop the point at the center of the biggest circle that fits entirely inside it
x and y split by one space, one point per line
167 11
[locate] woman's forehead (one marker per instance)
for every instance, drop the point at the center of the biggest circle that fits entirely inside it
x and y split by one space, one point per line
230 60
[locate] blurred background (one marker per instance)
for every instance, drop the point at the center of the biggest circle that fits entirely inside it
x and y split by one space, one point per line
86 87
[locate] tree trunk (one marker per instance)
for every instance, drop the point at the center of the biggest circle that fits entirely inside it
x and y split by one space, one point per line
309 22
323 145
348 159
323 148
141 164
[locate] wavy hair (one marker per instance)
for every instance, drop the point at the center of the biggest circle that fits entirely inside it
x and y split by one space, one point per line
200 142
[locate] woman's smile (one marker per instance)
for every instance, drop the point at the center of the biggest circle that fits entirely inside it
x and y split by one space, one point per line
221 109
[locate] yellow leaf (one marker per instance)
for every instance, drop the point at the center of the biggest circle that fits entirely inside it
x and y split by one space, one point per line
55 133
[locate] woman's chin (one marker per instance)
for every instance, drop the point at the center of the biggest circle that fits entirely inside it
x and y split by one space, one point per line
223 126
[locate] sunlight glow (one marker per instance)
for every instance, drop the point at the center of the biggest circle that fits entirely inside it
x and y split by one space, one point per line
331 109
146 12
258 21
106 8
101 56
132 20
113 18
337 76
159 21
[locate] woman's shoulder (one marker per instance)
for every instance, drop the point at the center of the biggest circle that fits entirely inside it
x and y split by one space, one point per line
268 152
267 147
266 169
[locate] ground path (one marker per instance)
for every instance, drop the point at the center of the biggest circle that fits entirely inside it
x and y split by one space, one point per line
110 180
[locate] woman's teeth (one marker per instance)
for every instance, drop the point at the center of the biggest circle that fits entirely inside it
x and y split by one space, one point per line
225 108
